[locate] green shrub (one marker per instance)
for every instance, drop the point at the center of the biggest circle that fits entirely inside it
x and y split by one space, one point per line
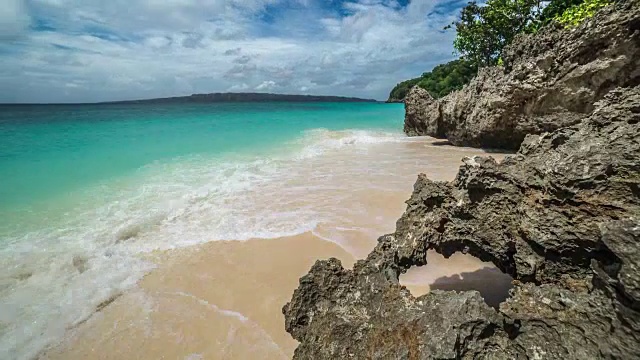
484 28
575 15
440 81
401 90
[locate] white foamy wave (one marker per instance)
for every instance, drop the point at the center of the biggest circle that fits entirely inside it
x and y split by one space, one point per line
318 141
56 276
48 291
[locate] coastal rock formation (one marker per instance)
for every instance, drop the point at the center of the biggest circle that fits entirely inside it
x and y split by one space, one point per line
562 217
418 105
550 80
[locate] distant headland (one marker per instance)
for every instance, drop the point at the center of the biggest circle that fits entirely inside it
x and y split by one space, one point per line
243 97
228 97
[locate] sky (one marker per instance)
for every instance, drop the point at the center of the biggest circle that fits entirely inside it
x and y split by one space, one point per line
104 50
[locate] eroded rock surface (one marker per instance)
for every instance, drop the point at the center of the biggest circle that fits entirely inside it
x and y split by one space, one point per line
550 80
562 217
418 105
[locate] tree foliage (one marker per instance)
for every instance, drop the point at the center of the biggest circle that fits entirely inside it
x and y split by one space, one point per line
442 80
575 15
484 30
554 9
400 91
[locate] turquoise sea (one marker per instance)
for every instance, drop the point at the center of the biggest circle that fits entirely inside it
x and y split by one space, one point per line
84 188
48 153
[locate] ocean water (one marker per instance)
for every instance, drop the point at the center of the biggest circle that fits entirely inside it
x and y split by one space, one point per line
86 191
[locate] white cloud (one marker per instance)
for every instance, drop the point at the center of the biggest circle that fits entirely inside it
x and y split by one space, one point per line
266 85
238 87
122 49
157 42
14 19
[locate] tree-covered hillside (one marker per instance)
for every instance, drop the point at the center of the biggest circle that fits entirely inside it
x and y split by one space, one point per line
442 80
484 30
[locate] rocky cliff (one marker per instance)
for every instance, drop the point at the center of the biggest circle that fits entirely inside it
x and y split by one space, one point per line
562 217
550 80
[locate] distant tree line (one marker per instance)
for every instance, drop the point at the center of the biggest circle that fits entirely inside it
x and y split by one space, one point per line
440 81
483 31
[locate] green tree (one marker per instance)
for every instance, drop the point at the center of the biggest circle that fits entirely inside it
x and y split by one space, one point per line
556 8
401 90
484 30
576 14
440 81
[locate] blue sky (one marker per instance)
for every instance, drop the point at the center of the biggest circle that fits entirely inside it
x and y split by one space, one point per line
101 50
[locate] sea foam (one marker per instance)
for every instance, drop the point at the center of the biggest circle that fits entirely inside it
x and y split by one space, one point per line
58 275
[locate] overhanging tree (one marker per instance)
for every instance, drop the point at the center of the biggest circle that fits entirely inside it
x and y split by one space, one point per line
484 30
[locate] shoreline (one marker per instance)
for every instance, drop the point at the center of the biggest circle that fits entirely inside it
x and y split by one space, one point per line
201 301
142 322
217 298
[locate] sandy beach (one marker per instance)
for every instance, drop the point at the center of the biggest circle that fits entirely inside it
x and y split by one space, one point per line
223 299
220 300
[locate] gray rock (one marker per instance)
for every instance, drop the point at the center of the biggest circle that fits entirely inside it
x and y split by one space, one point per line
562 217
550 80
418 105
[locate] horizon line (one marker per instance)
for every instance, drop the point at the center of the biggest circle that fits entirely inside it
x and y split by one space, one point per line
195 95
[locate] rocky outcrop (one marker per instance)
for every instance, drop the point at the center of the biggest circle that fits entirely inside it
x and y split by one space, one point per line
550 80
418 105
562 217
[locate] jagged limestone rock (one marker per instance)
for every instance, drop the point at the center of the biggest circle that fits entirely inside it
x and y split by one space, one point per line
550 80
562 217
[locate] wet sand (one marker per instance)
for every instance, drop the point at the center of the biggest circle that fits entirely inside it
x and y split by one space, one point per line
461 273
220 300
223 299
